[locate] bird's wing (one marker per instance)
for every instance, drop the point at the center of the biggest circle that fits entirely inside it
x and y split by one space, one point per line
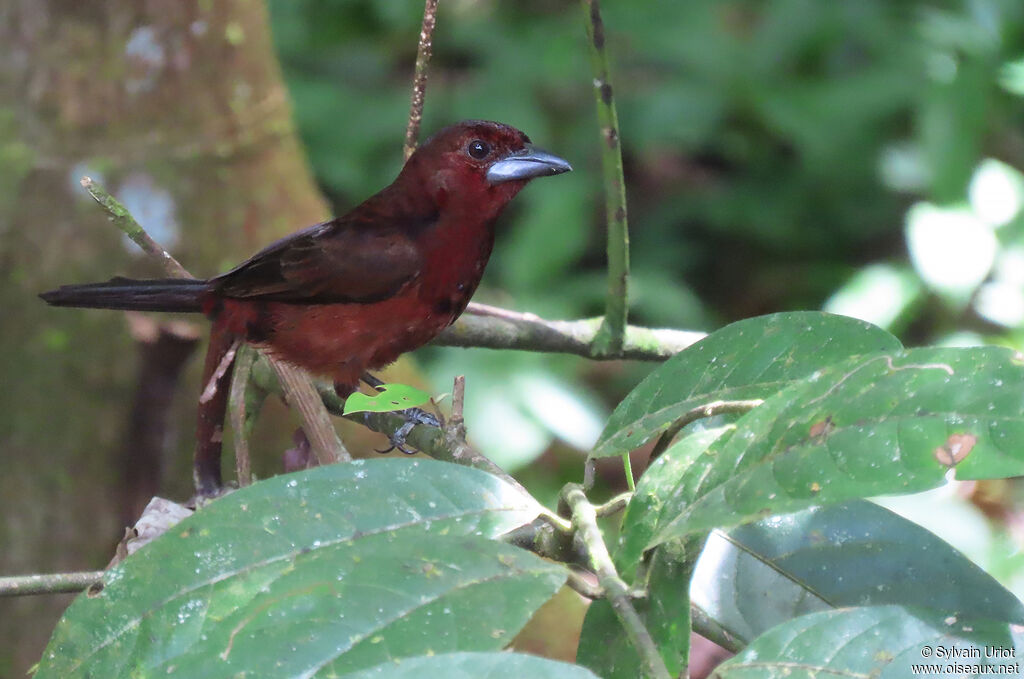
344 260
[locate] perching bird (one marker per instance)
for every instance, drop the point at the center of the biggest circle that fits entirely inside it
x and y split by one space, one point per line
353 293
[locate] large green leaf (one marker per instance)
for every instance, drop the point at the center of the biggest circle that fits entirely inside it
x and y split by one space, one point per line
883 642
474 666
333 569
753 358
893 422
850 554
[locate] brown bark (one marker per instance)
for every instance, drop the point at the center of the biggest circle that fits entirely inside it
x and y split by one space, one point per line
179 107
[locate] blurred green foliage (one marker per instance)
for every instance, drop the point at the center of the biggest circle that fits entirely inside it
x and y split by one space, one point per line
773 150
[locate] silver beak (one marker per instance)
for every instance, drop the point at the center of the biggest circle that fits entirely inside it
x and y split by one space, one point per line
526 164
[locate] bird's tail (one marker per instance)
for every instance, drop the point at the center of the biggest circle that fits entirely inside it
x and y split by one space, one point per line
167 294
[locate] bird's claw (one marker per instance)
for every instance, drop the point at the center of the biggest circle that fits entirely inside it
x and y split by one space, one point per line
413 417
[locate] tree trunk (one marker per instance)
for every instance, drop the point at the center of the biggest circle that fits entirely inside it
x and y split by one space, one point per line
178 108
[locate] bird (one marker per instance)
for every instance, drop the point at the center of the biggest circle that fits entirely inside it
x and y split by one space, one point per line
351 294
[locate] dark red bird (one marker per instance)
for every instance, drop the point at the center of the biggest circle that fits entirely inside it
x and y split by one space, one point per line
353 293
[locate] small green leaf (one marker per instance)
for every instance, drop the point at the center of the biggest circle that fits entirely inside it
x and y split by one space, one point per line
754 358
390 397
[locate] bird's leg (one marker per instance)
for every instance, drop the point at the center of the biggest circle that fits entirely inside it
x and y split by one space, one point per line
413 417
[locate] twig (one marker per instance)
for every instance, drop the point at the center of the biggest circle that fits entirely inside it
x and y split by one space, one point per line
126 223
419 81
529 333
613 329
709 628
613 506
49 583
457 422
699 413
583 586
301 394
228 360
584 520
241 419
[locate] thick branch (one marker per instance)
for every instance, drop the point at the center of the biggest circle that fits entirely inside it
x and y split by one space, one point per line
530 333
584 520
613 330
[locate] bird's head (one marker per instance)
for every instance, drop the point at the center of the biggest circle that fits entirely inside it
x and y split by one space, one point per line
480 162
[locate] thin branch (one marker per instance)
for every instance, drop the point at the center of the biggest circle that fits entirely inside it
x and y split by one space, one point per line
530 333
584 520
241 419
226 362
49 583
126 223
699 413
457 422
613 330
709 628
583 586
419 81
613 506
301 394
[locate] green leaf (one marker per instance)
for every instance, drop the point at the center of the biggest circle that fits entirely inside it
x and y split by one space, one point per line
893 422
850 554
336 568
643 515
665 612
474 666
754 358
886 642
389 398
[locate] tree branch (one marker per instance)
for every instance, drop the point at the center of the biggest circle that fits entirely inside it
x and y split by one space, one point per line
613 330
242 418
511 330
419 81
584 521
49 583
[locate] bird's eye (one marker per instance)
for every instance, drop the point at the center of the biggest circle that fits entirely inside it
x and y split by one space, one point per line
478 149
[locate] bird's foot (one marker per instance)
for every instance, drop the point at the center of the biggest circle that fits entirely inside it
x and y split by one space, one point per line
413 417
